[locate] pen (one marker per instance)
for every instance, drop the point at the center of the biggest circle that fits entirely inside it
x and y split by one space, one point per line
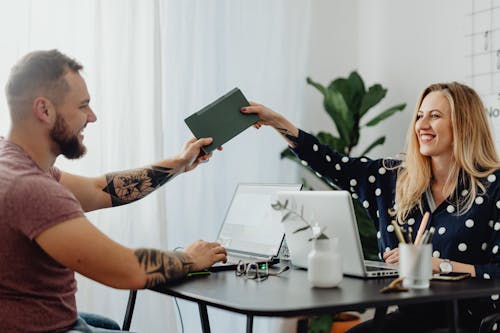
198 273
397 230
429 236
421 229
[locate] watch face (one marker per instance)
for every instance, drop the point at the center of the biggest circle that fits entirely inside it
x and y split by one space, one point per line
445 267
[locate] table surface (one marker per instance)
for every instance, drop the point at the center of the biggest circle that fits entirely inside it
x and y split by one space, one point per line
290 293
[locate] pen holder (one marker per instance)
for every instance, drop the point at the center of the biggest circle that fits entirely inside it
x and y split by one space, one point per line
415 265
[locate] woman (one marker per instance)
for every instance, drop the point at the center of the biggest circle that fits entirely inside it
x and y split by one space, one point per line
450 170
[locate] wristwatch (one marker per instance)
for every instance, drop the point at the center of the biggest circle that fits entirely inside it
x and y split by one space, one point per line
445 266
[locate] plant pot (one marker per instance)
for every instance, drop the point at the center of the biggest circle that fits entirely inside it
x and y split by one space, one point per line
344 321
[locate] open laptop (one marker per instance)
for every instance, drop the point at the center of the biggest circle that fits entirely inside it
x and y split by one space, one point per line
251 230
334 211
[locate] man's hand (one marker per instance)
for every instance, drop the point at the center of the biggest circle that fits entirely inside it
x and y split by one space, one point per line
191 155
204 254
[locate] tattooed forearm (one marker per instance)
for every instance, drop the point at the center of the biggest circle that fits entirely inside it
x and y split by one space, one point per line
292 139
128 186
161 267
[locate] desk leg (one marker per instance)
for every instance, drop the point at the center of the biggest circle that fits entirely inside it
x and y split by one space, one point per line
452 309
249 323
205 324
378 319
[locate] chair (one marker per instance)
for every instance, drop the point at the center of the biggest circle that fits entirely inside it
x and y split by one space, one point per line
127 320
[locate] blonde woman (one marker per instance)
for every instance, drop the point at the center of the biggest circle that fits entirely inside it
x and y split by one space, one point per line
450 170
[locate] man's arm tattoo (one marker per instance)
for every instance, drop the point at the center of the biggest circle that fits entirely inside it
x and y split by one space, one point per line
162 267
292 138
128 186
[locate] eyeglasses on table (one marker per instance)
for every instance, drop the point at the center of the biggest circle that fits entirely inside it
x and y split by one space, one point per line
256 271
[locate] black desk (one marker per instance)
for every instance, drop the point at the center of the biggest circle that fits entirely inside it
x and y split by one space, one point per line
290 295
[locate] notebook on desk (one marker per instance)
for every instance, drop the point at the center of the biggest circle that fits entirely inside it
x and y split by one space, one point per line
334 211
251 229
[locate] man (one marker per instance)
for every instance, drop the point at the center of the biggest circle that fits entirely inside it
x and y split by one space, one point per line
44 234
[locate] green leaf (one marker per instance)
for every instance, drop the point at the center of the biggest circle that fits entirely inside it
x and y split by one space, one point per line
333 142
317 85
374 95
283 219
301 229
321 324
336 107
286 153
358 91
386 114
375 143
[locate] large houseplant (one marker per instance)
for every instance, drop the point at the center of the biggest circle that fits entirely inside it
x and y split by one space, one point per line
347 102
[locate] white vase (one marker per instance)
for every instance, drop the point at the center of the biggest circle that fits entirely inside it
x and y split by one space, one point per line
324 264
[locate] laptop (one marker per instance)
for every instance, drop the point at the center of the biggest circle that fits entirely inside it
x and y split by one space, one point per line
334 211
251 230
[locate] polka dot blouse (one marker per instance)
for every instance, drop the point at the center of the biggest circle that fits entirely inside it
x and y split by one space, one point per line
472 238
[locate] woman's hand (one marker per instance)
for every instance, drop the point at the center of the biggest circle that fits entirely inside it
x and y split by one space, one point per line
270 118
392 256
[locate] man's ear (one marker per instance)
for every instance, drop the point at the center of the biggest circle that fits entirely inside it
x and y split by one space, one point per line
43 109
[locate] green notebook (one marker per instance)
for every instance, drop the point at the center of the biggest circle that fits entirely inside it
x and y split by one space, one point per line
221 119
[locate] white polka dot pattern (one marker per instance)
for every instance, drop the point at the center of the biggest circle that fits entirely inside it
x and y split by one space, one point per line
364 160
366 204
484 246
378 234
486 276
318 174
494 297
479 200
469 223
353 182
390 228
450 209
464 193
411 221
382 171
494 250
304 163
462 247
497 226
378 192
355 196
315 147
328 158
345 159
337 167
436 254
492 178
371 179
498 204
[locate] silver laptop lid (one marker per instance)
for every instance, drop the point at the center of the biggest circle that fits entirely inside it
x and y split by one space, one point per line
251 227
332 210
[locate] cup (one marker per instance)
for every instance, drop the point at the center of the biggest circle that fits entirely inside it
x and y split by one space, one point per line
415 265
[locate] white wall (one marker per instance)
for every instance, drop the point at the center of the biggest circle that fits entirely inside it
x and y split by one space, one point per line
404 45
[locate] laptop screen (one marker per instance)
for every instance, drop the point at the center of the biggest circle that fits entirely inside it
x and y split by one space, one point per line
251 225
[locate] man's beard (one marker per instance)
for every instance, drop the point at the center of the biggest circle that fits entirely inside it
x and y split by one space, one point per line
69 145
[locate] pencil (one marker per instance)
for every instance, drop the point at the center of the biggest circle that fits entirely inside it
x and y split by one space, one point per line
421 229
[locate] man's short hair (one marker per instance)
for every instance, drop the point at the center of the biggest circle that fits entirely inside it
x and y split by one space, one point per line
39 73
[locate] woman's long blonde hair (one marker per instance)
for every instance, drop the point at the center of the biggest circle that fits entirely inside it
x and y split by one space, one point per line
474 154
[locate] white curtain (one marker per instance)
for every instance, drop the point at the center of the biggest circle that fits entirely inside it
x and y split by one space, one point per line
148 65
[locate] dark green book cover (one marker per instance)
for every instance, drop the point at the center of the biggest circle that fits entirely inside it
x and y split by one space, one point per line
221 119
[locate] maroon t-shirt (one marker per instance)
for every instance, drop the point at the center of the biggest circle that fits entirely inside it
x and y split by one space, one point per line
37 294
